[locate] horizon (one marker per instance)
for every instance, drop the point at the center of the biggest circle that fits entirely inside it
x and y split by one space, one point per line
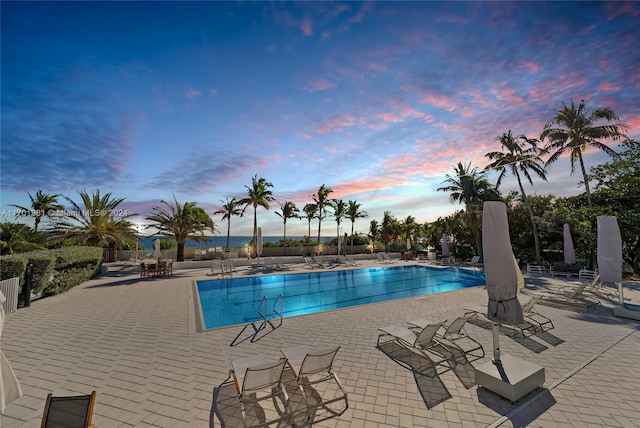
376 100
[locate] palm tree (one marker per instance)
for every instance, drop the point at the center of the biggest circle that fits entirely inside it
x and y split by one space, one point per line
339 210
321 198
98 221
288 210
182 222
574 129
231 208
520 155
43 205
353 213
387 229
469 186
310 211
19 238
409 227
374 233
259 195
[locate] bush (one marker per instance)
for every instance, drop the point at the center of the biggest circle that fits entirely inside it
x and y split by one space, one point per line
54 271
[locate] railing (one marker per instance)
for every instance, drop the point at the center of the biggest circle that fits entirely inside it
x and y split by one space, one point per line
10 288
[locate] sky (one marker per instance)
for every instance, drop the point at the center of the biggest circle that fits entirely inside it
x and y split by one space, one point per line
376 100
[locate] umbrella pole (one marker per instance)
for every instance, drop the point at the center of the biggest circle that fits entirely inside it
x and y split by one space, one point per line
496 343
620 297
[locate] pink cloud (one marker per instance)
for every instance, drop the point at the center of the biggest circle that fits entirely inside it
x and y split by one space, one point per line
441 101
192 94
509 95
306 26
530 66
320 85
377 66
587 30
337 123
213 92
609 87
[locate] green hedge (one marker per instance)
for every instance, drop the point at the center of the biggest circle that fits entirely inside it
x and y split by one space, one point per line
54 271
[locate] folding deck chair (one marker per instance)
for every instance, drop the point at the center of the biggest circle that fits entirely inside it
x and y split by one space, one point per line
68 412
258 379
312 367
524 330
424 341
456 336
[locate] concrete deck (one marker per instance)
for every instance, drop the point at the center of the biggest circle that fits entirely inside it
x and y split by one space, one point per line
135 342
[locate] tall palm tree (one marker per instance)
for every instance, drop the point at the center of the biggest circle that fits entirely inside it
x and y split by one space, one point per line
520 155
469 186
374 233
353 213
259 195
409 227
321 198
574 129
97 221
229 209
310 211
387 229
42 205
288 210
339 210
182 222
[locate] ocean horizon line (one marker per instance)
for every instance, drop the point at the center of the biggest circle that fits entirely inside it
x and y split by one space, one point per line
235 241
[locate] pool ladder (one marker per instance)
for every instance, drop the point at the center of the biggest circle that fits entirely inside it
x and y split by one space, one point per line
265 318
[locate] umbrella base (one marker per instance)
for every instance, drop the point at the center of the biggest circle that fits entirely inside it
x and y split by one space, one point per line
627 311
512 378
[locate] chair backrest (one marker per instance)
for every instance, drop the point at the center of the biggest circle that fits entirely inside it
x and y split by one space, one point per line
318 361
68 412
475 259
528 307
456 325
263 377
425 337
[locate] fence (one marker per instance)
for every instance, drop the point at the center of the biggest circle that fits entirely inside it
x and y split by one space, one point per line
9 288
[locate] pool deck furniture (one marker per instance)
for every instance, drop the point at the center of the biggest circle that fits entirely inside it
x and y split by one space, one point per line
536 269
68 411
135 343
566 270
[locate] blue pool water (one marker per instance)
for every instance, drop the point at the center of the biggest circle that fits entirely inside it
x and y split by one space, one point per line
232 301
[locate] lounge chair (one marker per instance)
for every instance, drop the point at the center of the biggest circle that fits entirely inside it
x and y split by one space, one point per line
388 259
528 310
380 258
448 261
280 264
308 263
475 261
455 335
311 367
71 411
258 379
524 330
270 264
423 341
351 261
572 297
536 269
318 262
342 260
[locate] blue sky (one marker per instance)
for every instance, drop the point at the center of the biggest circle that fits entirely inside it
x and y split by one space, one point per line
377 100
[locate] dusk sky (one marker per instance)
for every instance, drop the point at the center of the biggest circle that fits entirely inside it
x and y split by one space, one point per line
377 100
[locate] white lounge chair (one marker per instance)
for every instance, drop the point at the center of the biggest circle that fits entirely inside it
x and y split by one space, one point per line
524 329
423 341
388 259
258 379
312 367
455 335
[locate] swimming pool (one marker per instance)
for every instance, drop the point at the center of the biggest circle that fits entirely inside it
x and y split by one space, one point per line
231 301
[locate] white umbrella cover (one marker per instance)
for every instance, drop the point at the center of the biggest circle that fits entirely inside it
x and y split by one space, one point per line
609 249
569 250
9 386
445 245
499 267
156 249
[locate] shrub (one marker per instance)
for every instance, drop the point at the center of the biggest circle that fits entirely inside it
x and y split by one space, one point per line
74 265
13 265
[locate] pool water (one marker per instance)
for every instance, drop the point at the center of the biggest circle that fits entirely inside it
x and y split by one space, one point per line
233 301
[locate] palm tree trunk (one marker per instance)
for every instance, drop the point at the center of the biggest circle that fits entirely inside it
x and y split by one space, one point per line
113 253
309 235
180 252
285 239
228 230
352 223
533 221
319 224
254 250
586 180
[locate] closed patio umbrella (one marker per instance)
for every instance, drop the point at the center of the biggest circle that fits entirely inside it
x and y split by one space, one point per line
500 270
610 251
445 246
9 386
569 250
156 249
